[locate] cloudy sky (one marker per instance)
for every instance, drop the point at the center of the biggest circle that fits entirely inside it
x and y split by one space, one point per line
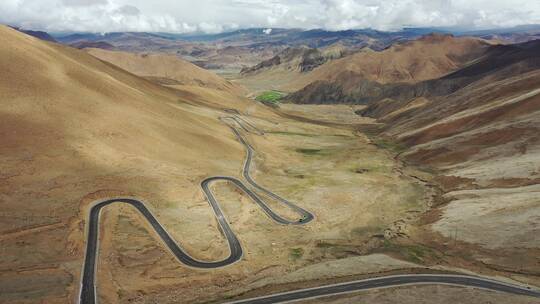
220 15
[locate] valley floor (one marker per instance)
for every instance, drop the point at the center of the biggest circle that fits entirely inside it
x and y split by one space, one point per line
351 186
364 206
64 148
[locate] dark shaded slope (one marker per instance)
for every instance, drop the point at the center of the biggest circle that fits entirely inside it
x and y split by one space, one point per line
499 62
302 59
38 34
402 71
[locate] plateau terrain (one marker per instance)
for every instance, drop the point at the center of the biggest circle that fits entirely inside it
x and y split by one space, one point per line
67 160
267 164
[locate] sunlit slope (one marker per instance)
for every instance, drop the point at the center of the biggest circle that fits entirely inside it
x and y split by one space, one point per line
328 81
479 128
363 74
74 129
70 97
429 57
165 69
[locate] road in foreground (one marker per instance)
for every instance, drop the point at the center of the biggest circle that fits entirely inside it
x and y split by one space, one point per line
391 281
88 281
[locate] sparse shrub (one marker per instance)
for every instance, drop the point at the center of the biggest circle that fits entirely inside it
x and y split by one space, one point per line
296 253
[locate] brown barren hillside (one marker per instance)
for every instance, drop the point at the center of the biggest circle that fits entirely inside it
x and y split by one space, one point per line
301 59
354 76
475 134
165 69
76 130
479 129
429 57
286 67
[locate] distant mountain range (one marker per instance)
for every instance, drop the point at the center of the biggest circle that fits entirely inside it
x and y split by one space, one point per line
246 48
440 172
367 76
38 34
313 37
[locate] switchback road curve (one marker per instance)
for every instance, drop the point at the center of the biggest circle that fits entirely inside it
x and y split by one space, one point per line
88 280
88 284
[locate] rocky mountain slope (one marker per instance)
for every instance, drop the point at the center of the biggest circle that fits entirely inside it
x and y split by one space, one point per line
517 34
211 55
314 38
478 127
75 129
302 59
469 114
248 47
282 71
241 48
498 62
361 77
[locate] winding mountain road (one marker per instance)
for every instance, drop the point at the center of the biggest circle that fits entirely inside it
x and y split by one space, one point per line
88 279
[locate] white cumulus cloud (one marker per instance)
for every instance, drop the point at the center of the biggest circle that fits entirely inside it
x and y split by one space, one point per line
220 15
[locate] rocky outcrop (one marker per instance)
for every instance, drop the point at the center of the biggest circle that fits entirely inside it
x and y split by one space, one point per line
301 59
274 61
500 62
402 71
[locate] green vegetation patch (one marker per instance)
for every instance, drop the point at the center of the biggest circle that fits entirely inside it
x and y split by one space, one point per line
308 151
367 231
388 144
270 97
413 253
291 133
288 133
325 244
296 253
338 249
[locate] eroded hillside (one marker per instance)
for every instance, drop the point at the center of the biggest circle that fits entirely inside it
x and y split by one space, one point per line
479 128
368 75
76 130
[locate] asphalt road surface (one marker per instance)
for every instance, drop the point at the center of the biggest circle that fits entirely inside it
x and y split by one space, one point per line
392 281
88 280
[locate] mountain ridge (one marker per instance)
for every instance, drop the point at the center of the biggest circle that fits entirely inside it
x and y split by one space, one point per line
364 76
